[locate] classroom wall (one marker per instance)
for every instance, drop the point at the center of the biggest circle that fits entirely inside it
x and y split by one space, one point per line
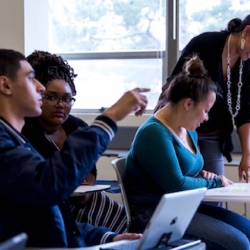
12 24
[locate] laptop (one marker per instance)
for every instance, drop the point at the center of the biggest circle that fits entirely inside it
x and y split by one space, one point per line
17 242
168 224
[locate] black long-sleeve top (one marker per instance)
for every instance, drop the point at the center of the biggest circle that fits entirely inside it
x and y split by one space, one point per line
209 47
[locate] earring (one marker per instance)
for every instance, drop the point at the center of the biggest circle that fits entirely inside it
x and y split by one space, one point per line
242 43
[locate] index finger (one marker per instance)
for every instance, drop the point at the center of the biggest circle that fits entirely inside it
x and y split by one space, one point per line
247 176
140 90
240 172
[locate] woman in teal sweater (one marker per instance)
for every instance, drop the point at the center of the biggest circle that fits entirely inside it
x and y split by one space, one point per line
165 158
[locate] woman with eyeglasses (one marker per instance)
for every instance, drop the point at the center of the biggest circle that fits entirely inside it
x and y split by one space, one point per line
48 132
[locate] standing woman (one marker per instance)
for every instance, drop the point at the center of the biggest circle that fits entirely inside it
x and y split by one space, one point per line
48 132
225 55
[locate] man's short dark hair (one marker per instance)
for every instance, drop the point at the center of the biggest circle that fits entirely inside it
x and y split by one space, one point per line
10 62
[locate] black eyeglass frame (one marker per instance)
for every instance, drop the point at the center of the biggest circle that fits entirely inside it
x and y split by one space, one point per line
56 100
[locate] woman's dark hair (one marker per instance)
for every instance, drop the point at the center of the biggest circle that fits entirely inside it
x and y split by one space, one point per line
10 63
49 66
237 25
192 82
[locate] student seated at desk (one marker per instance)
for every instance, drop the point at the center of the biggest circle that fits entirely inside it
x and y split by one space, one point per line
48 132
165 158
32 187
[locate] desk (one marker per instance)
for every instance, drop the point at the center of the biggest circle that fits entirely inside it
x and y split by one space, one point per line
232 164
201 246
238 192
235 162
114 185
83 189
115 153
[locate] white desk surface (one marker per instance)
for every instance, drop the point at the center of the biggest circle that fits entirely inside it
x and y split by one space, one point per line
237 192
115 153
235 162
91 188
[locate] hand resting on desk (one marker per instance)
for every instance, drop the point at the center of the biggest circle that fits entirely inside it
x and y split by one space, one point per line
210 175
225 181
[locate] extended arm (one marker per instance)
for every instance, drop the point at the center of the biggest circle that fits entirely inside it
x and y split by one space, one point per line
34 180
244 167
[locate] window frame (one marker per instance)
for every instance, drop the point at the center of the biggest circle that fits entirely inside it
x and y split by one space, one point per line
35 17
168 56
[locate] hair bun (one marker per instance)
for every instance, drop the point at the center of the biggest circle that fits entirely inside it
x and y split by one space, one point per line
234 24
194 67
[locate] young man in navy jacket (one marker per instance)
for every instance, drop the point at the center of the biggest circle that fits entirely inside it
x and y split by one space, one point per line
31 187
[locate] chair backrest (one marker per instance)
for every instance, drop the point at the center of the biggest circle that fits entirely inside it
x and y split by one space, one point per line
119 167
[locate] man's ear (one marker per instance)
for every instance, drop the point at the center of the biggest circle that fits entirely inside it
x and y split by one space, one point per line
188 103
5 85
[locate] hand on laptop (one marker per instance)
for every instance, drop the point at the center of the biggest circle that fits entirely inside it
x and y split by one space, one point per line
127 236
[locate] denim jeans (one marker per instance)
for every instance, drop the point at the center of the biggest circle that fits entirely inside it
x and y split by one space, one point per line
220 228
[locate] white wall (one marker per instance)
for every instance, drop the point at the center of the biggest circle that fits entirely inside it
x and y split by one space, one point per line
21 25
12 24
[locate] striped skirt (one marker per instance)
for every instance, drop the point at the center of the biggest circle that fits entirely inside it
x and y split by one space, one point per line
101 210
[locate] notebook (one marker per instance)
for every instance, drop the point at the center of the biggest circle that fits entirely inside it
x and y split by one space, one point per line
83 189
168 223
17 242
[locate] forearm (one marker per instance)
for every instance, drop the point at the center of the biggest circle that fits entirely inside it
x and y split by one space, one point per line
244 166
244 135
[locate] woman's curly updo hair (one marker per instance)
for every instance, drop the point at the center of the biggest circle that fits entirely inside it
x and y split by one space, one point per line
236 25
192 82
49 67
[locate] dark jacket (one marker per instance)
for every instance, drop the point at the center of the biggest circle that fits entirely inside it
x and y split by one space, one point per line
209 47
35 134
31 187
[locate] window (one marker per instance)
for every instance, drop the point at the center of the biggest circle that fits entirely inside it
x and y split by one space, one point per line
113 46
116 45
199 16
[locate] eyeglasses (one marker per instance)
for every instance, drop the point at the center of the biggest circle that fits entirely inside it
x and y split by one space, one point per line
53 100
